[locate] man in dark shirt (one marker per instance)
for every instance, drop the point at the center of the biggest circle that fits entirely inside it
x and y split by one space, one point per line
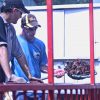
11 11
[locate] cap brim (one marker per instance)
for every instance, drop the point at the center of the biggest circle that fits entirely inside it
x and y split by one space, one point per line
33 24
25 10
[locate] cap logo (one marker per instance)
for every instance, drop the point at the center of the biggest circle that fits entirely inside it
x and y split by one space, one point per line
32 19
27 22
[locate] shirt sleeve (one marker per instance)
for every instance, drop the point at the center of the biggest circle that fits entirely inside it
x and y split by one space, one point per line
16 48
3 40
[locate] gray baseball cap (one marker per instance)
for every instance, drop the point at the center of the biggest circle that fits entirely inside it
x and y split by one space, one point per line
29 21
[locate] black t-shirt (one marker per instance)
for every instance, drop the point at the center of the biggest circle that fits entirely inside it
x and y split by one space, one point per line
8 38
3 40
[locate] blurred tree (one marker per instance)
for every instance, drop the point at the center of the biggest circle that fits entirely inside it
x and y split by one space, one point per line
1 1
55 2
29 2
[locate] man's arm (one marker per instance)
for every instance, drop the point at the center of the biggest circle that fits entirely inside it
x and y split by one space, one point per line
4 61
3 50
57 72
23 63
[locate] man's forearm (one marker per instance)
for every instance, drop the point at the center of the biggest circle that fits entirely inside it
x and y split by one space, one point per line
23 63
4 61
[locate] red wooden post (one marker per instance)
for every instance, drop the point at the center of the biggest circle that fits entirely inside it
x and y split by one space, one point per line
50 41
50 47
91 41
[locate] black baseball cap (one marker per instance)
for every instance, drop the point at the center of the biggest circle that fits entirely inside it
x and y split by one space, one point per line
15 3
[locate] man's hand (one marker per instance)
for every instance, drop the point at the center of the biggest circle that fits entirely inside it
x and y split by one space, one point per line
59 73
34 80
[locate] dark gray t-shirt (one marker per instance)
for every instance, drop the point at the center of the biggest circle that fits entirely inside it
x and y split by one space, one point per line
14 48
3 40
8 38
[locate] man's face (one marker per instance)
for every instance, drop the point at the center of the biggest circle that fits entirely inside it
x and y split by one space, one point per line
15 15
30 32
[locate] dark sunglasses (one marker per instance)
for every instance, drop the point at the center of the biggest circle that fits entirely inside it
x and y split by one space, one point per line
21 12
32 29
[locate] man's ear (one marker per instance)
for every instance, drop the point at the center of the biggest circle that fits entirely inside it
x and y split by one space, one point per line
14 10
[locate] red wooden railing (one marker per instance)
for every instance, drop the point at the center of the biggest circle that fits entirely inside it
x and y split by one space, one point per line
59 91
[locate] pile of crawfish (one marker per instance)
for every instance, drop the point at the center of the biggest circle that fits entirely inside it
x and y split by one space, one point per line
77 67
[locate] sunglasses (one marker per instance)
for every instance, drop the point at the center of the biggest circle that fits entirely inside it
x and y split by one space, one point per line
21 12
32 29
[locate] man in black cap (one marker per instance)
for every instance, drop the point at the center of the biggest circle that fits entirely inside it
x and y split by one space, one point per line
11 11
